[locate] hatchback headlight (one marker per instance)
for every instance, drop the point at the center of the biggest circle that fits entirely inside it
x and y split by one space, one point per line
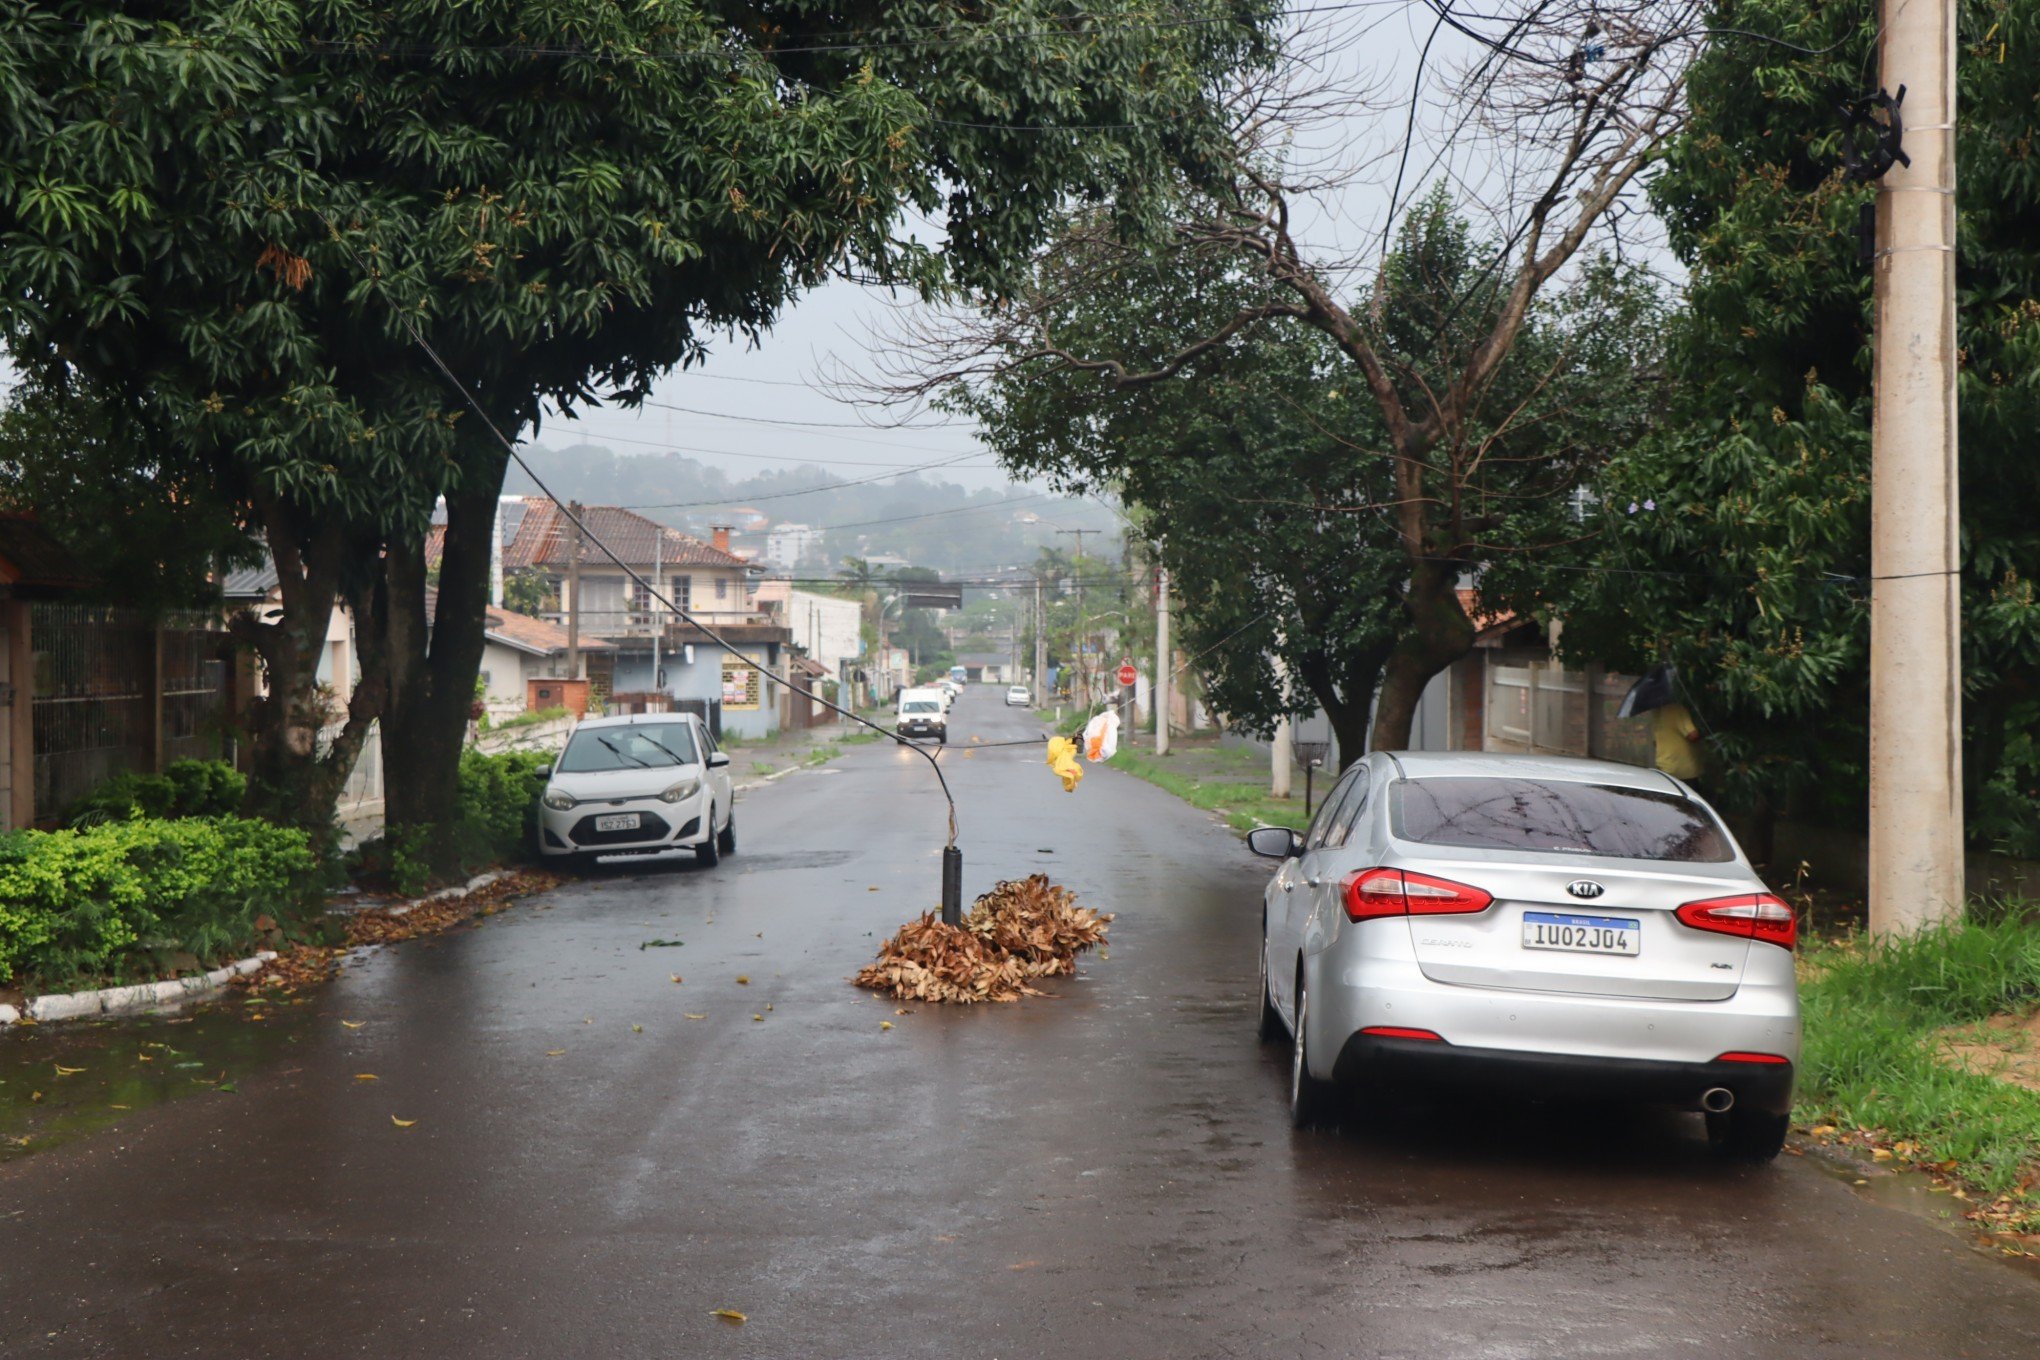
681 791
559 800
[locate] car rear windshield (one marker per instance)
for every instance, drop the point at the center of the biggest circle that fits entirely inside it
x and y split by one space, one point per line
638 746
1558 817
921 706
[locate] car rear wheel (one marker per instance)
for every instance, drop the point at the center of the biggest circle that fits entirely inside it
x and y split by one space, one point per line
726 839
1748 1135
1309 1099
1271 1019
708 854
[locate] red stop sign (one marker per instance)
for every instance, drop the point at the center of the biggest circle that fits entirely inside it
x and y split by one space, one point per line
1127 674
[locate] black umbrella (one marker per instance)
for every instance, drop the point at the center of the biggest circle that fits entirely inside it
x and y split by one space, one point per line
1657 688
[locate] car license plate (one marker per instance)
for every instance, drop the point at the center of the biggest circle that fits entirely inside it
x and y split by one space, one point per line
1580 934
617 821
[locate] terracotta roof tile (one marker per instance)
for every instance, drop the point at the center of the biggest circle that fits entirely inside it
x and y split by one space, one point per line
544 539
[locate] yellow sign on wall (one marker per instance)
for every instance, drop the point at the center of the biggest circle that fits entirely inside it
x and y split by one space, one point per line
739 685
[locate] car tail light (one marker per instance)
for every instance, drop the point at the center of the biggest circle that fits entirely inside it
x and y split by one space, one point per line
1398 1032
1374 893
1741 1057
1752 916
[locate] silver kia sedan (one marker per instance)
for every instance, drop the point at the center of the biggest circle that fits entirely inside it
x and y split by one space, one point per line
1540 925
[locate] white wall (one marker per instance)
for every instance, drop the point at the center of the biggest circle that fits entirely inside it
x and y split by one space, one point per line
825 627
504 670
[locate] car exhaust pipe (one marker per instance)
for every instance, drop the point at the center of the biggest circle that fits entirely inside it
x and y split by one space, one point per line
1717 1100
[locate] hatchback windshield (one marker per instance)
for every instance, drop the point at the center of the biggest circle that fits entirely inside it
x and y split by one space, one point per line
921 706
640 746
1557 818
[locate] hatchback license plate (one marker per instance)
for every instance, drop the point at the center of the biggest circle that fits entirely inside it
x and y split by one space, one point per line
1580 934
617 821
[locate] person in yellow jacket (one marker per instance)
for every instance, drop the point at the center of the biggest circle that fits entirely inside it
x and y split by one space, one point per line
1678 742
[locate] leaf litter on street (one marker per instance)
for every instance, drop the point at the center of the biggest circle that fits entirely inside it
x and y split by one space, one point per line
1021 930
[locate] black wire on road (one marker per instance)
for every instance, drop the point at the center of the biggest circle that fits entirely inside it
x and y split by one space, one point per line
589 536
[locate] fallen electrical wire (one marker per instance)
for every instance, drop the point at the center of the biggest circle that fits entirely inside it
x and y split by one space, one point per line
1021 930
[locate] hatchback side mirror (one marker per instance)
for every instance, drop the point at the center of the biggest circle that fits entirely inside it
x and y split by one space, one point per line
543 772
1274 842
718 759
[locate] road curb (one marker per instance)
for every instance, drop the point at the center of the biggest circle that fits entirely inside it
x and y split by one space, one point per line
132 997
141 996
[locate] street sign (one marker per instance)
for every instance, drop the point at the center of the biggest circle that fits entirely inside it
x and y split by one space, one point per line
932 595
1127 674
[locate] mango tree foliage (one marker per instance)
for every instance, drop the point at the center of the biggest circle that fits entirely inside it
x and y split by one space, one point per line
236 219
1737 541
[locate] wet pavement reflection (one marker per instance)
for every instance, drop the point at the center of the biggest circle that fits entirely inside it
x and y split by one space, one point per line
583 1126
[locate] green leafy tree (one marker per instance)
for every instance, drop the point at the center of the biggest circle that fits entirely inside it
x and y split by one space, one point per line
1265 472
241 216
1435 334
1737 541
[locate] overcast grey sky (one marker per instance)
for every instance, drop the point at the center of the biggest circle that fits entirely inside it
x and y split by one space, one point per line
1372 49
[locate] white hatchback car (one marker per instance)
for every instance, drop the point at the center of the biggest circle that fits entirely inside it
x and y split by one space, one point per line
1545 926
1018 694
637 785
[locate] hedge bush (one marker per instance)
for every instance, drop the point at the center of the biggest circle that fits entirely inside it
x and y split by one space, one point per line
492 825
93 902
187 788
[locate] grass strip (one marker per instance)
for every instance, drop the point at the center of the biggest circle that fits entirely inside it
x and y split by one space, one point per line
1244 805
1874 1056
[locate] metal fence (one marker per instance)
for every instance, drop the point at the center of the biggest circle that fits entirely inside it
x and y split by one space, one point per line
114 691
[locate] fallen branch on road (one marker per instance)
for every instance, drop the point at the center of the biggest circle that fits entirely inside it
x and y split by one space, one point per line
1021 929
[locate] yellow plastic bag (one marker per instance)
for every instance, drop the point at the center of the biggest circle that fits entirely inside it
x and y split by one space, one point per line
1062 758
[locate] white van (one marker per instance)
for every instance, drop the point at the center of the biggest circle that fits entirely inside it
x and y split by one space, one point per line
923 712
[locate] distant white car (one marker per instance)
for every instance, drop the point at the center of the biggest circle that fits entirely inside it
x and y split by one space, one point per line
1018 694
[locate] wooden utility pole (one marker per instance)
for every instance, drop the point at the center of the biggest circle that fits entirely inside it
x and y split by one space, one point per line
1916 838
1162 659
574 593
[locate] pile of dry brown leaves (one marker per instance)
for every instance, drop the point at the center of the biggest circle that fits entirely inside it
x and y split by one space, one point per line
1021 929
301 965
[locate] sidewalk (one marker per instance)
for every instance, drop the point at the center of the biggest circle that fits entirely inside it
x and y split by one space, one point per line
753 761
1229 781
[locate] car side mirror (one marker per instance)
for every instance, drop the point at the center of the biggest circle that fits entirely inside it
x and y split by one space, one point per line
1274 842
543 772
718 759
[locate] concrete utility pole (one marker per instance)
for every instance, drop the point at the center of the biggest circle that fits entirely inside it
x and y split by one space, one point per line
658 607
1282 755
574 594
1082 700
1040 648
1162 659
1916 843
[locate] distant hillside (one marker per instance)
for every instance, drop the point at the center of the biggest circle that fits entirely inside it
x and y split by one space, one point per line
929 522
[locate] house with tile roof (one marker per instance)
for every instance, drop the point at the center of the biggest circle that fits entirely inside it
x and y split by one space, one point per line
653 651
519 648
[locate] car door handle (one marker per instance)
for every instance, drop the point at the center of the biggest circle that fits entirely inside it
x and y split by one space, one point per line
1287 886
1313 882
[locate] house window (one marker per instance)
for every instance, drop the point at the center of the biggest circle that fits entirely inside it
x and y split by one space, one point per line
640 602
681 592
722 587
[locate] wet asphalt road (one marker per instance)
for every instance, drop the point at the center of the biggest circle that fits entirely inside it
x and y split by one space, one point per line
1108 1173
